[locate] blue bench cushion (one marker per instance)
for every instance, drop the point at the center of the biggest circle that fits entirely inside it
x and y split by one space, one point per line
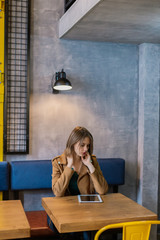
113 170
4 176
34 174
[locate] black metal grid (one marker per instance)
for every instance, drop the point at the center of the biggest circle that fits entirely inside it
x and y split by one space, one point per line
16 116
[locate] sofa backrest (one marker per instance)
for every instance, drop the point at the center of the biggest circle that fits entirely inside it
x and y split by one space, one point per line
113 170
31 174
36 174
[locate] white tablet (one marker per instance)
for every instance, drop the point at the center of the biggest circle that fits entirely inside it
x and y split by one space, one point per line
89 198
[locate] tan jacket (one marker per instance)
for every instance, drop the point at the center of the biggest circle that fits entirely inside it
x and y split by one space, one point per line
87 183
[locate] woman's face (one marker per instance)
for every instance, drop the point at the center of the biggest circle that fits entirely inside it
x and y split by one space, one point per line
81 148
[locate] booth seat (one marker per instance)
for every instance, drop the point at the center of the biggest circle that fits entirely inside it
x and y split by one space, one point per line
36 174
4 176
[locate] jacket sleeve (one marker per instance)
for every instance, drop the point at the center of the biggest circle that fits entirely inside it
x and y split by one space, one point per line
99 182
60 178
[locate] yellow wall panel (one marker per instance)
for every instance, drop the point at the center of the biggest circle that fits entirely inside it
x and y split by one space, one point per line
2 19
2 41
1 84
2 25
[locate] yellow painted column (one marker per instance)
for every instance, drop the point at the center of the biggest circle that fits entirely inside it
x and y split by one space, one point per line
2 32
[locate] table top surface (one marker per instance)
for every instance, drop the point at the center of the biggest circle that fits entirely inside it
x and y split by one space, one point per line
68 215
13 221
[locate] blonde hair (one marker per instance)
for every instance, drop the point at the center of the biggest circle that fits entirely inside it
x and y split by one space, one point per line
78 134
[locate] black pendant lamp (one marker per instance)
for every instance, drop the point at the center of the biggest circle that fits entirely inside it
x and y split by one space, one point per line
61 82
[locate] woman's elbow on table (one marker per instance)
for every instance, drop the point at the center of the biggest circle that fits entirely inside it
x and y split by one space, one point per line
103 191
57 193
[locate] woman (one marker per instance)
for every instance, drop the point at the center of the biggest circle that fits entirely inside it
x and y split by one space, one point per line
77 171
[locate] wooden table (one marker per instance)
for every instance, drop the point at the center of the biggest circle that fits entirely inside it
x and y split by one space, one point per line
68 215
13 221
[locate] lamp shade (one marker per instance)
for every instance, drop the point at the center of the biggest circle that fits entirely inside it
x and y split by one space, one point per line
62 83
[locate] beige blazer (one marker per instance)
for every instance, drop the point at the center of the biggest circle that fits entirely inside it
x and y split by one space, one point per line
87 183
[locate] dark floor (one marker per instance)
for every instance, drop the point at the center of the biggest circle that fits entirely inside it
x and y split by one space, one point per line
77 236
53 238
66 238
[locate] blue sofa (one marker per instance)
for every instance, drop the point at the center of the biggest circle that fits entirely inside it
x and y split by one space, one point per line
36 174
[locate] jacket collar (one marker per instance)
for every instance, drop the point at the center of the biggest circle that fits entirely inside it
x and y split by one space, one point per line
63 159
84 170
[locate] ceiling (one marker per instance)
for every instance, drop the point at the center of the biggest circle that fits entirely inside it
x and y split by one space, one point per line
124 21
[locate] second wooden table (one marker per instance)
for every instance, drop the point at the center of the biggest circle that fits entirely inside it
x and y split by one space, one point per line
13 221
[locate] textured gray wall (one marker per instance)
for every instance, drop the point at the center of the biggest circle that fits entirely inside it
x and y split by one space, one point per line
148 144
104 98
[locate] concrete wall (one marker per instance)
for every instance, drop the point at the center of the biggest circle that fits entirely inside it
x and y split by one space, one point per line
104 98
148 130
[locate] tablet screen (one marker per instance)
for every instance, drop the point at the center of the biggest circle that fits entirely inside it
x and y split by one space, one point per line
89 198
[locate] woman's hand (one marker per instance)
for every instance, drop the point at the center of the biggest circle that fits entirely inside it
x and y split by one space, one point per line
70 161
86 159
